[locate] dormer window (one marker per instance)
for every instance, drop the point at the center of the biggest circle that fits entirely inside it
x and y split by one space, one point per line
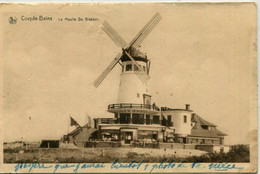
205 127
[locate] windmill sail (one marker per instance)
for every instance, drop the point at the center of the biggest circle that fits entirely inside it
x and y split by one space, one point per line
146 30
141 76
114 35
107 70
134 44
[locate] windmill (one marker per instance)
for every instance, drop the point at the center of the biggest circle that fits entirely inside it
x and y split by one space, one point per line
131 59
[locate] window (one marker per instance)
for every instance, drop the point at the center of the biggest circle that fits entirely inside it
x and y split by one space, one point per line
185 118
136 68
138 119
156 119
138 95
155 136
123 68
148 119
128 67
169 120
124 118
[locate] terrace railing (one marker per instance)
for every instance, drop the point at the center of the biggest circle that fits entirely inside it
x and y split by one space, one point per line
135 106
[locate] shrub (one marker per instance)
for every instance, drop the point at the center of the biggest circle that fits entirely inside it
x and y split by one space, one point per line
238 153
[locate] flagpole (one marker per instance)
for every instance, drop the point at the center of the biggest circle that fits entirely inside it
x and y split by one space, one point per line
68 125
86 118
89 121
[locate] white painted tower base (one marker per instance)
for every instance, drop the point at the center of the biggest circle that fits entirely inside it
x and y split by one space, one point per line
131 88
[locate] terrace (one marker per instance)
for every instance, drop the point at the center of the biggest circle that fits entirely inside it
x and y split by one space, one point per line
122 106
135 119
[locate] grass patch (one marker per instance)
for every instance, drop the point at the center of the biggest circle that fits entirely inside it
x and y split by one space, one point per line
238 153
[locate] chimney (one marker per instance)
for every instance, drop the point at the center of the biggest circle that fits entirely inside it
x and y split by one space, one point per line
187 106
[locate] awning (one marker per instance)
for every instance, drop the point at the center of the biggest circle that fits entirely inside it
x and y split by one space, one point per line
147 132
128 130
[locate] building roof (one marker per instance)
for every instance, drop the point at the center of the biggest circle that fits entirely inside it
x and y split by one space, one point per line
196 118
198 131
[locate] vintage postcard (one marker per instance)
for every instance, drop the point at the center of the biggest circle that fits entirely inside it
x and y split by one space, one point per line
129 87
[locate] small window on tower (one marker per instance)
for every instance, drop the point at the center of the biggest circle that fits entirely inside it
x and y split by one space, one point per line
138 95
128 67
123 68
185 118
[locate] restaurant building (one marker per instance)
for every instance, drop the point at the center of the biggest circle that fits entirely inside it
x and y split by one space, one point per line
139 123
137 120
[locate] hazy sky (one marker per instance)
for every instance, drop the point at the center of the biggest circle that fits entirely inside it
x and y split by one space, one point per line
201 54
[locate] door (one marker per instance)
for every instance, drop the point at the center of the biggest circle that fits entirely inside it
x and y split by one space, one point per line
147 100
128 137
